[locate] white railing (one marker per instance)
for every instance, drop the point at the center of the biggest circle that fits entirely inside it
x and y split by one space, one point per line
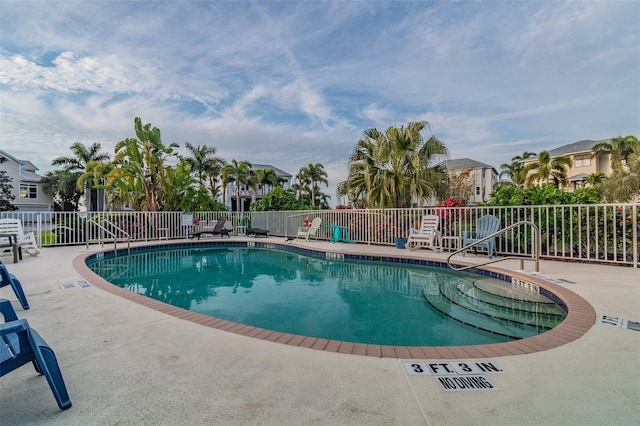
535 248
603 233
111 230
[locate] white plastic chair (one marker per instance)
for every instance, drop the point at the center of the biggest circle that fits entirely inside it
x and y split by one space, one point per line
427 236
27 241
312 232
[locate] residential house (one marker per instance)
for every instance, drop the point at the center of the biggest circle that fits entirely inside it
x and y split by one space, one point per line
483 177
584 161
248 194
27 185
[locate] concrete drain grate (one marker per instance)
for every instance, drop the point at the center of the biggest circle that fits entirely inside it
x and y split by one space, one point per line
76 284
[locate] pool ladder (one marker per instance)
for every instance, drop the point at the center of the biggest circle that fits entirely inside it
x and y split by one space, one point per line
535 252
109 232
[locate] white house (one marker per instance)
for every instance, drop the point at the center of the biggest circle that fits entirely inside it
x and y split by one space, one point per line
27 185
485 177
247 194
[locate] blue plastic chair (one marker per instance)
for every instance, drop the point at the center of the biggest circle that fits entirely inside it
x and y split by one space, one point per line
9 279
21 344
485 226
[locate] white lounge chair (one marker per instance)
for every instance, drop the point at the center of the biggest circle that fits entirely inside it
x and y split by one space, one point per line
312 232
26 241
427 236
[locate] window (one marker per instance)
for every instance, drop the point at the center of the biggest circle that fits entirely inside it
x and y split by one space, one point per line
582 160
477 190
28 190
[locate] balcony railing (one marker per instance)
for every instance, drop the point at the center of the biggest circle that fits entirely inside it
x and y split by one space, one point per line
602 233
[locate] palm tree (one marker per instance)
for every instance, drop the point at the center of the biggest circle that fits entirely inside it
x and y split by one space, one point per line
395 168
63 185
548 170
268 178
140 166
619 148
97 172
82 157
516 170
302 183
314 173
238 172
204 165
362 166
623 184
596 179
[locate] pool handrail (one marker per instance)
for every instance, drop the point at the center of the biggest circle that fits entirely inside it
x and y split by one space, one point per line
111 234
535 255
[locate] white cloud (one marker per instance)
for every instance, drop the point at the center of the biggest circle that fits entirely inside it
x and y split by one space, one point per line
297 83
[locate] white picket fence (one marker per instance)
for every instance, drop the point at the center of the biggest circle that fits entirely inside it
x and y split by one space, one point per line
603 233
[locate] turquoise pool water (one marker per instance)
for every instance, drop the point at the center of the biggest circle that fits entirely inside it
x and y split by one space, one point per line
356 301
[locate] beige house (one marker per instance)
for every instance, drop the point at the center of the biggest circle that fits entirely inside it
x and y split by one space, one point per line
26 184
482 177
584 161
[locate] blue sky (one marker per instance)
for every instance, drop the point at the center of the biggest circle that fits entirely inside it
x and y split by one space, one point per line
292 83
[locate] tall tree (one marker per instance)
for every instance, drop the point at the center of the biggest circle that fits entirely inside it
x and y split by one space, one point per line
267 179
302 183
204 165
140 165
63 186
239 173
624 183
6 197
461 186
82 157
516 170
619 148
314 174
395 168
548 170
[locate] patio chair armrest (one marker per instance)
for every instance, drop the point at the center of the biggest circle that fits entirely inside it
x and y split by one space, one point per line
13 327
7 310
468 234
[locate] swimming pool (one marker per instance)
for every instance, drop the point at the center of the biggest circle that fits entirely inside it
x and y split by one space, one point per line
369 301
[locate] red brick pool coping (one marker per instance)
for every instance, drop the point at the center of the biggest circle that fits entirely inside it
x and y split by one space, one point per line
580 318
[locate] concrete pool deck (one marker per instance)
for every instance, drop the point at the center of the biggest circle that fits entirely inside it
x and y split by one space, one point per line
125 363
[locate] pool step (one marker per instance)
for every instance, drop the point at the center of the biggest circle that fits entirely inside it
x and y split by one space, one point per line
504 289
508 297
518 314
446 298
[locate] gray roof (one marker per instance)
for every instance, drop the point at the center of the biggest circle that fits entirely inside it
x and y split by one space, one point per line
30 176
28 165
572 148
281 173
27 168
5 154
465 164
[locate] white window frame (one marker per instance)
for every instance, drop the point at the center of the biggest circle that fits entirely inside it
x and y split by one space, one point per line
27 190
582 160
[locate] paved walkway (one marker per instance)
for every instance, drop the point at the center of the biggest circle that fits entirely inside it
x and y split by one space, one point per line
127 364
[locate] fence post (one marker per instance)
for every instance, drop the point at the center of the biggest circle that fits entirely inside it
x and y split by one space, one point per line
635 235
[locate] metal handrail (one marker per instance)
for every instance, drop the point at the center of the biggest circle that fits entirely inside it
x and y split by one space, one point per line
536 248
111 233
